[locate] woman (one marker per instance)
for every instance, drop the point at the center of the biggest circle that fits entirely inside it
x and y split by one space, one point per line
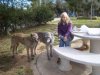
64 30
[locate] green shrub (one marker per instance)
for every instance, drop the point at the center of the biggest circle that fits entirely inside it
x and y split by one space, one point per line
83 17
43 14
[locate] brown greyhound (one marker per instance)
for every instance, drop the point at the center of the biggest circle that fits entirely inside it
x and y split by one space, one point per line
30 41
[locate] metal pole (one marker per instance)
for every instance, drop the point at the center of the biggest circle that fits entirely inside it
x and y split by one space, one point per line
91 8
40 2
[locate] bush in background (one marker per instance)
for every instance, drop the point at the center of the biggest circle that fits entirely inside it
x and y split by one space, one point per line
43 14
83 17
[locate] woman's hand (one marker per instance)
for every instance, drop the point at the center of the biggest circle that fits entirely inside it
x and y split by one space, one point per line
65 38
60 36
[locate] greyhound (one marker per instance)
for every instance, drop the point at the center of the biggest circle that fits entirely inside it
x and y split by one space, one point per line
48 39
29 41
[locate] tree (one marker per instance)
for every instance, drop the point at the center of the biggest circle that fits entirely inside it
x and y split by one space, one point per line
12 13
85 7
93 4
43 14
59 6
4 20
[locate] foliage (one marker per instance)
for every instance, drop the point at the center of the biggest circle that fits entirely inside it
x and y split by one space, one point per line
83 7
43 14
4 18
60 6
14 16
84 18
11 14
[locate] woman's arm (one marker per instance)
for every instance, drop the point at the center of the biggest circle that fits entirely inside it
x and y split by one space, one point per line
59 31
69 29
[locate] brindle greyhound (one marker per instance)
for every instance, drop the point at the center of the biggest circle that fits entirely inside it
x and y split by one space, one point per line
48 39
29 41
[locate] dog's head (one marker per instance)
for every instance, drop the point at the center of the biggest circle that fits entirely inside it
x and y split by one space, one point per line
34 36
49 37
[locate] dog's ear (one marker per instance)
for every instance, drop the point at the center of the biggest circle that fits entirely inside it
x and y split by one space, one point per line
34 36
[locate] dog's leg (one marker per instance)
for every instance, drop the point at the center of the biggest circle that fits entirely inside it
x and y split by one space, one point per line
16 52
28 56
12 49
32 55
48 52
51 47
35 48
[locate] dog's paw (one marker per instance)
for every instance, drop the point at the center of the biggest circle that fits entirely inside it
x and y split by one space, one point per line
49 58
35 54
32 58
51 55
16 52
13 56
28 60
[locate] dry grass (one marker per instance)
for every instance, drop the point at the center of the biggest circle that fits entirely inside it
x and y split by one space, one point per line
8 64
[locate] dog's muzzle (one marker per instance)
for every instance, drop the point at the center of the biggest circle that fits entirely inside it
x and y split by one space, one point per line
48 40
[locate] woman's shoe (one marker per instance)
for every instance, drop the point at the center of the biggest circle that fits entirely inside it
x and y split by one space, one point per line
59 61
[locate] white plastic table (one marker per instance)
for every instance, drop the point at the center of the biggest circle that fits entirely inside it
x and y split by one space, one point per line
94 45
